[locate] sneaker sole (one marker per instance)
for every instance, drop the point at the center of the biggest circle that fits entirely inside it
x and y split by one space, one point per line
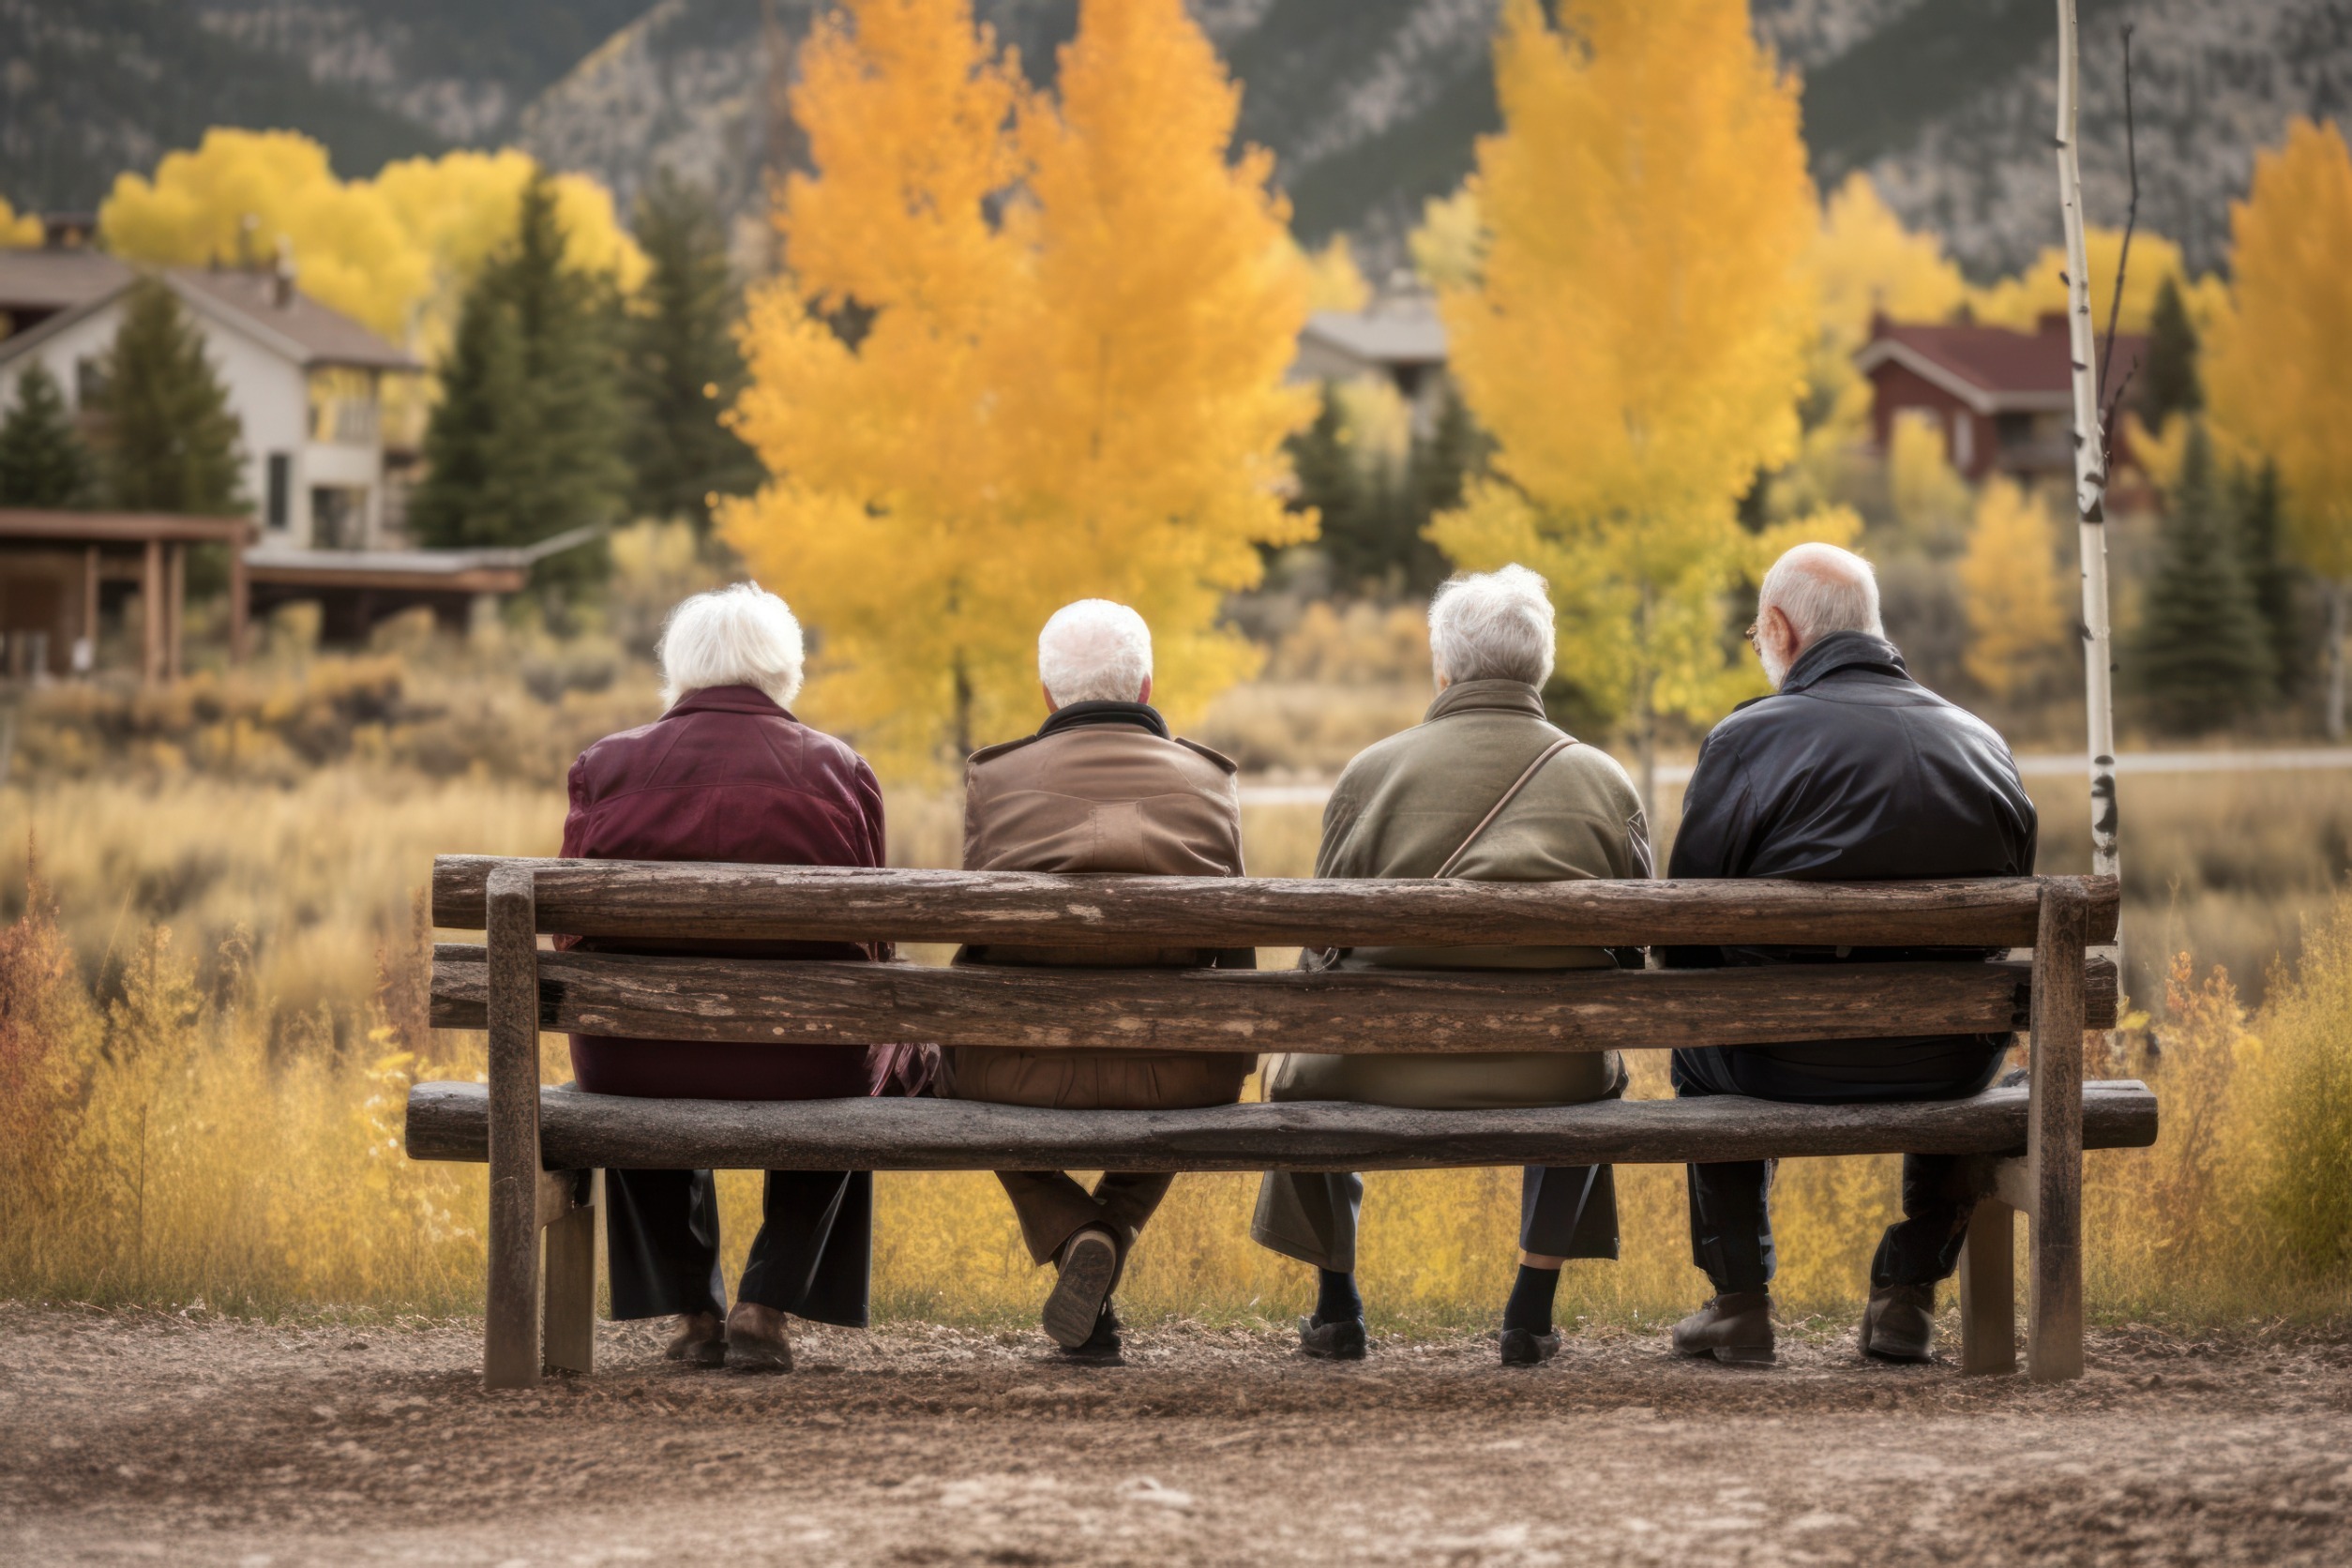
1077 1302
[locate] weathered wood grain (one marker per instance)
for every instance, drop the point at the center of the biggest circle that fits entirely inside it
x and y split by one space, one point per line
1988 1290
1156 1010
2054 1328
445 1123
688 901
510 1357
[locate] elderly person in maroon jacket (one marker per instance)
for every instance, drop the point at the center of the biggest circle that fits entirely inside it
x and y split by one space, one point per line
728 774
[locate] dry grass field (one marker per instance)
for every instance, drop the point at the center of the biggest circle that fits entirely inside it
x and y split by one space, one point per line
210 1014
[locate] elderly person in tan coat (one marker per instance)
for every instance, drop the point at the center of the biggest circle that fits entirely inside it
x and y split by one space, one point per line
1102 786
1485 788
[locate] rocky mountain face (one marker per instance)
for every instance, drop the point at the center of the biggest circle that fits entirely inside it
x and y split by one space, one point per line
1370 105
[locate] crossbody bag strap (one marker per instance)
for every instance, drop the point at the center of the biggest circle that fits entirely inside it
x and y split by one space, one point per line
1508 796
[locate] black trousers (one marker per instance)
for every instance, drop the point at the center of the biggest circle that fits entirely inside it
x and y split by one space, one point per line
813 1256
1731 1216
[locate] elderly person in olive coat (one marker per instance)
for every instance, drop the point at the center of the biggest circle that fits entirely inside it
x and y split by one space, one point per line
1485 788
728 774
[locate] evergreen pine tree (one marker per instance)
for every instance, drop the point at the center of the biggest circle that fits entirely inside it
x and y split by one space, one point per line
2203 657
525 441
2168 376
2275 580
43 461
1330 482
1443 463
170 442
684 367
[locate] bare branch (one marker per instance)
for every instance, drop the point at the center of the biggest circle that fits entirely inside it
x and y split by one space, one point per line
2123 262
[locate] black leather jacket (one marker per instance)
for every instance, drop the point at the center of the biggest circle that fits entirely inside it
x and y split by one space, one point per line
1852 771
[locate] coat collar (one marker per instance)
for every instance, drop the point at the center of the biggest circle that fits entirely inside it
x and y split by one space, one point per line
1845 650
1078 716
728 699
1510 697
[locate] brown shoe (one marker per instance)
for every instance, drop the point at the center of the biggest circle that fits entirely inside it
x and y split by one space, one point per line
699 1340
1090 1267
1735 1327
1899 1324
755 1339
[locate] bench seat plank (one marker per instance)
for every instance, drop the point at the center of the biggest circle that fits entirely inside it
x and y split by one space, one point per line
695 900
814 1003
448 1122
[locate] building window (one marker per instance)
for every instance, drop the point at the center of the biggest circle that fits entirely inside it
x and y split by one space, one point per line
280 498
339 516
342 405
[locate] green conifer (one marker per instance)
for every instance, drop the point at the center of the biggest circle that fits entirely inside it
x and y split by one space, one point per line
2168 376
684 367
2204 659
2276 581
168 441
43 460
526 440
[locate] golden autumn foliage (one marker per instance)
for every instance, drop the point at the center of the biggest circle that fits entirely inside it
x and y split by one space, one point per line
1335 282
17 230
1637 334
2278 363
1865 262
2021 302
2013 590
394 253
1449 241
1080 394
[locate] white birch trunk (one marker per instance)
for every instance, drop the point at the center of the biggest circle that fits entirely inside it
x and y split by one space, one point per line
2090 474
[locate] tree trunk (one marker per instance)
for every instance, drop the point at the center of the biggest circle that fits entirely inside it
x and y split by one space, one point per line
2338 594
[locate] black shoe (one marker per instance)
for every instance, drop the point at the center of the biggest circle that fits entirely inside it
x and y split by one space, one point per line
1900 1324
1342 1339
1103 1347
1090 1267
1525 1348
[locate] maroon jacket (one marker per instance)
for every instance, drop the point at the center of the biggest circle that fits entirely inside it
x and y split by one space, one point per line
725 774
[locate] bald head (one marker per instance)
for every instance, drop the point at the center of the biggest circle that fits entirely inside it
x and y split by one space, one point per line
1812 592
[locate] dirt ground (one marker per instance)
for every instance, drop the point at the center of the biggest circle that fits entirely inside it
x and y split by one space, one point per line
129 1437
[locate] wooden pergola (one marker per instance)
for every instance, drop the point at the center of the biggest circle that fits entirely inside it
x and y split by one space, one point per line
52 564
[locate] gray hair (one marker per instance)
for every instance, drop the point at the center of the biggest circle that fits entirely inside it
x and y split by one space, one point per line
1095 651
1492 627
740 635
1822 589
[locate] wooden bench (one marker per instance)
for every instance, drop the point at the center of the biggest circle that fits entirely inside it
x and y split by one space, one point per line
543 1144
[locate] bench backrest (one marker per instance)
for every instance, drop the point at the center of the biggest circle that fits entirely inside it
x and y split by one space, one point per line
738 998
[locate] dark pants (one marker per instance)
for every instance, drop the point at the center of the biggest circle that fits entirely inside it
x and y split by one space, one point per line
1053 1208
1567 1211
1731 1217
812 1257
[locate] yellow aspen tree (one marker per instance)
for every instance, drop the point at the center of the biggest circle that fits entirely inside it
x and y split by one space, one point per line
241 191
1335 282
873 358
2012 592
2278 363
1082 399
1145 409
18 230
1636 336
2020 303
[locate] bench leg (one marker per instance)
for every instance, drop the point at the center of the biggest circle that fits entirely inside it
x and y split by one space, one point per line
571 1290
510 1348
2053 1146
1988 1290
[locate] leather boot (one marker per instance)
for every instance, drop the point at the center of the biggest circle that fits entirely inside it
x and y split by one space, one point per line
1340 1339
1526 1348
1735 1327
1899 1324
756 1339
1090 1267
698 1340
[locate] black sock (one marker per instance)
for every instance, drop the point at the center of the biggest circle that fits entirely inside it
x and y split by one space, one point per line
1336 1298
1530 1304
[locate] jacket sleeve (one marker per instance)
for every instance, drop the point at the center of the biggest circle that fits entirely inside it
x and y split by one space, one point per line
575 828
876 848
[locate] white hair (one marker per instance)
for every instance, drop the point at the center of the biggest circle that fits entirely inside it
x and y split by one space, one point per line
1095 651
1822 589
740 635
1492 627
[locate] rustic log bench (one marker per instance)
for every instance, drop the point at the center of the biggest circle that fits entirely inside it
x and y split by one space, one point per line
543 1144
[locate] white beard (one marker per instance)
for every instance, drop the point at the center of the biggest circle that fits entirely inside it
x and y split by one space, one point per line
1775 667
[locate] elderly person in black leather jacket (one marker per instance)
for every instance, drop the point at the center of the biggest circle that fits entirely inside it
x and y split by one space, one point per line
1850 770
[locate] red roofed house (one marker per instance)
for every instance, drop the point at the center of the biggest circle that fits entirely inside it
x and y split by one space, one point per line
2003 398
